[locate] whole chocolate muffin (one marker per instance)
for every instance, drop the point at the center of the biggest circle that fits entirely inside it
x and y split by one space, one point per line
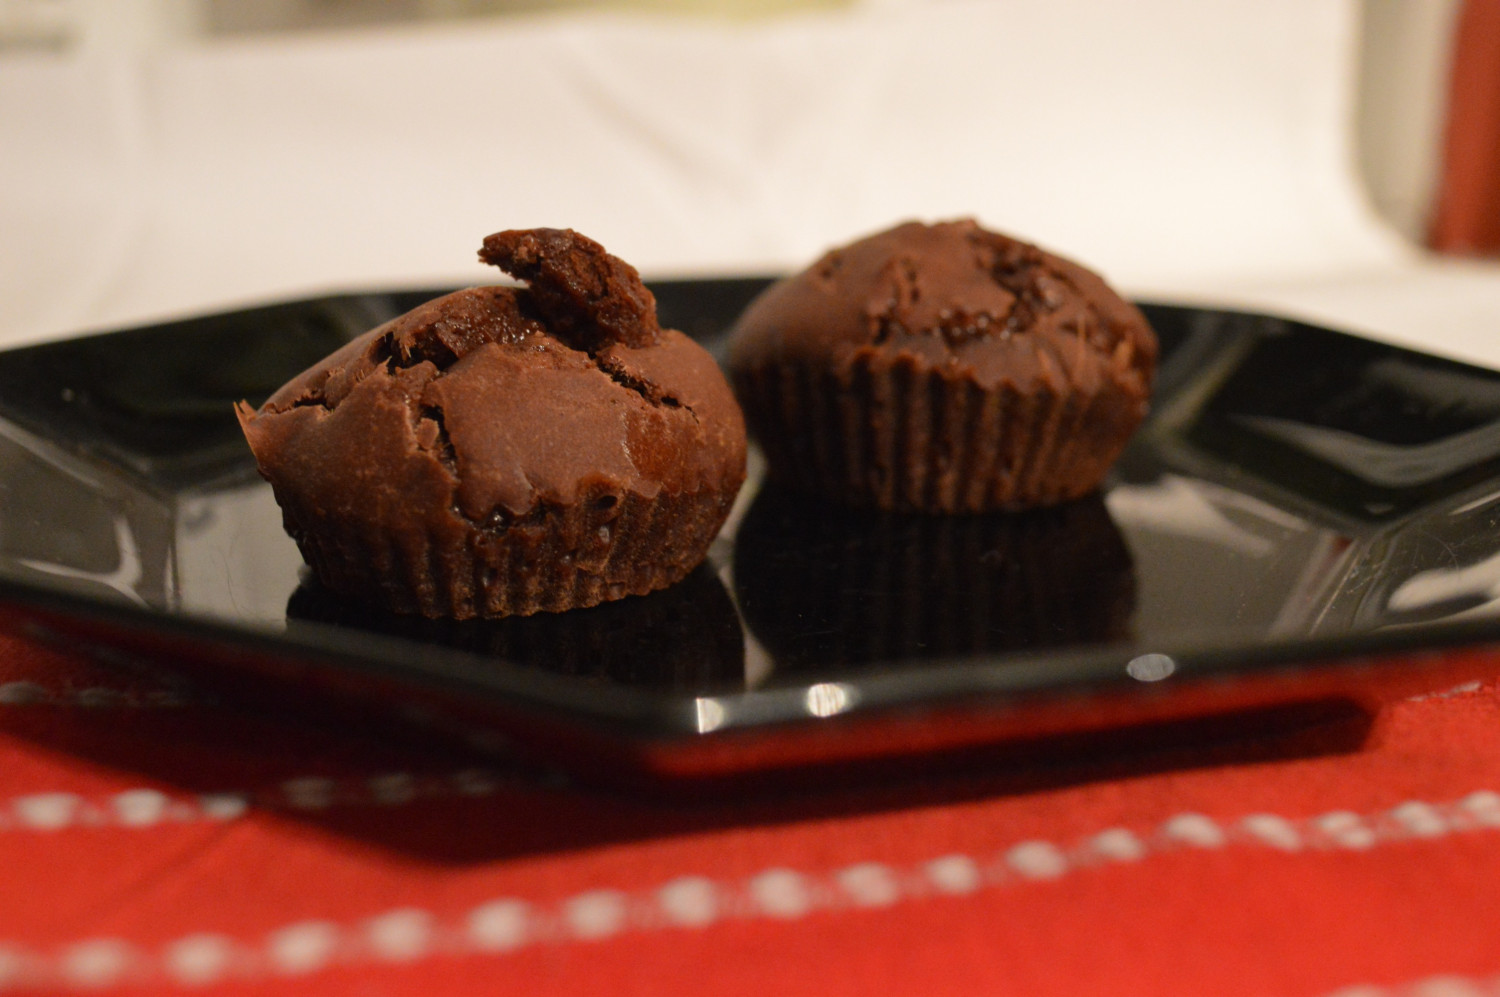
507 450
943 368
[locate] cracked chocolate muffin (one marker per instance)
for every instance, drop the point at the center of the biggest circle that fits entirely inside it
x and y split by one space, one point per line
507 450
943 368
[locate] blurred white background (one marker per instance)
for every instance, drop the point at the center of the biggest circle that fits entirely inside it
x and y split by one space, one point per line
167 157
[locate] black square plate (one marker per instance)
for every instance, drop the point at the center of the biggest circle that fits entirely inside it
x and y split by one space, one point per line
1298 495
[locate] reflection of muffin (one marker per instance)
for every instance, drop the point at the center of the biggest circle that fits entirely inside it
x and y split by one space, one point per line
821 585
508 450
943 368
687 638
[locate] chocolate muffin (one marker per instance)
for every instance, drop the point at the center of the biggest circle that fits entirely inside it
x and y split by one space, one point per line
507 450
943 368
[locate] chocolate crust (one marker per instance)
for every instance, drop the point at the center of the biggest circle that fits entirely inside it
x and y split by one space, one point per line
507 450
943 368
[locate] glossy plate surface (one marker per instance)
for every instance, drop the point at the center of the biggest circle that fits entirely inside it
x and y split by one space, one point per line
1297 493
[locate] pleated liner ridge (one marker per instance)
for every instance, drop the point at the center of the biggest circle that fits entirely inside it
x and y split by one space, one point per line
556 558
885 431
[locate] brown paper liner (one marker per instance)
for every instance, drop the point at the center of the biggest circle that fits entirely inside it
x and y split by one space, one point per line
887 433
555 559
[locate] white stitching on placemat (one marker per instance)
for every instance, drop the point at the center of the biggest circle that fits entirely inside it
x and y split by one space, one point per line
406 935
1459 690
1445 985
24 692
144 808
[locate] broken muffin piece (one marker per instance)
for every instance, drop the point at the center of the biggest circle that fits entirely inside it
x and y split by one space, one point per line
507 450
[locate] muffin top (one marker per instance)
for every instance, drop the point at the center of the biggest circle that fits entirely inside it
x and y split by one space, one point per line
489 402
953 298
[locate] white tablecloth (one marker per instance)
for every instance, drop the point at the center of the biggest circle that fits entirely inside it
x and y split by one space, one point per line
1187 150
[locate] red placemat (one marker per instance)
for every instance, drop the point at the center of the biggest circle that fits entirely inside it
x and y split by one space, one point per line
155 839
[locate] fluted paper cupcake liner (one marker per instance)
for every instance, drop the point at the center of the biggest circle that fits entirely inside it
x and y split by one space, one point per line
555 559
887 433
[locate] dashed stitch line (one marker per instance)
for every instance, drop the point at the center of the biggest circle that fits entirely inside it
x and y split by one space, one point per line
145 808
26 693
1445 985
689 902
1453 693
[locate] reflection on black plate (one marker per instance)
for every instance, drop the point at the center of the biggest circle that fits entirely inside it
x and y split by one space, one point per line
685 639
1296 491
824 587
1372 432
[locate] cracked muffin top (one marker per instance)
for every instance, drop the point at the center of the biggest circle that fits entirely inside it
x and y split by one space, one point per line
954 298
492 403
943 368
